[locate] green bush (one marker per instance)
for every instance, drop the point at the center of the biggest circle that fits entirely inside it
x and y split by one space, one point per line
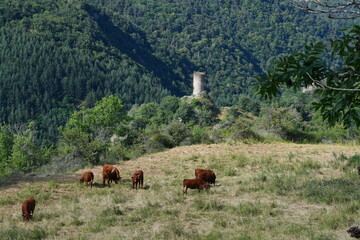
200 135
177 132
242 129
248 104
116 152
185 113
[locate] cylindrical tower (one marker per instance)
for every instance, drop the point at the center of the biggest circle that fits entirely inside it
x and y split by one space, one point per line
199 81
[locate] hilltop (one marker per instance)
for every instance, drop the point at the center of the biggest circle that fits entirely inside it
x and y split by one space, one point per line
272 191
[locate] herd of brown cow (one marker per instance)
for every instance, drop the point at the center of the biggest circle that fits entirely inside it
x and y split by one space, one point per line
203 179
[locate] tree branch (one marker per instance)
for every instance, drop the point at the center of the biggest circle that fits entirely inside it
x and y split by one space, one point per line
319 83
349 10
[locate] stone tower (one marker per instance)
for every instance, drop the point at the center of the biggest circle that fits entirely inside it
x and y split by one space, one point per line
199 81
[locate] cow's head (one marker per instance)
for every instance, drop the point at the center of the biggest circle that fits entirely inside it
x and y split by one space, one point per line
206 186
115 175
27 217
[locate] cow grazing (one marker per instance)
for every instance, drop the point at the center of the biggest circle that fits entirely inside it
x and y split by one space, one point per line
354 232
206 175
195 184
87 177
110 173
28 208
138 178
200 170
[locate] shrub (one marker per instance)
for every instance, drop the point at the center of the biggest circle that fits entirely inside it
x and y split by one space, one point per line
248 104
116 152
62 163
185 113
177 132
242 129
200 135
285 122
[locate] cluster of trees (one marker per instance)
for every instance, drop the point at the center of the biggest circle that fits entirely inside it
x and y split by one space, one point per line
59 58
107 133
58 55
335 76
232 41
19 151
54 57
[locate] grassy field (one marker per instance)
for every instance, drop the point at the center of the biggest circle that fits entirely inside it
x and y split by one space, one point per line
263 191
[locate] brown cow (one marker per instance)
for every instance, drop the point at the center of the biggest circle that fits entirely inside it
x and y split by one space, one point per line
138 178
28 208
110 173
354 232
206 175
200 170
87 177
195 184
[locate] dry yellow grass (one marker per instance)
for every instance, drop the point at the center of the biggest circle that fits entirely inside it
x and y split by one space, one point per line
257 196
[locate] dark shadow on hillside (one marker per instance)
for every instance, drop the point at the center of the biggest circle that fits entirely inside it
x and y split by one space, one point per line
140 51
250 58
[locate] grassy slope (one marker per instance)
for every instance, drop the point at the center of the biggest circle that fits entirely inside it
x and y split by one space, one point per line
262 192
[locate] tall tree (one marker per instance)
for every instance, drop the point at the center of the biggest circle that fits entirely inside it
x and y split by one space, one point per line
6 146
88 131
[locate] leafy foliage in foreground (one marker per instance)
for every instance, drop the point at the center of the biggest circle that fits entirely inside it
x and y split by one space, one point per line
337 87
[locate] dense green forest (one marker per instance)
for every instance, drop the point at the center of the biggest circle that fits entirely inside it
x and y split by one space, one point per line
58 55
75 73
108 133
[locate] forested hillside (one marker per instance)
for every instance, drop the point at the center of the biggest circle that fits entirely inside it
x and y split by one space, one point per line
58 55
